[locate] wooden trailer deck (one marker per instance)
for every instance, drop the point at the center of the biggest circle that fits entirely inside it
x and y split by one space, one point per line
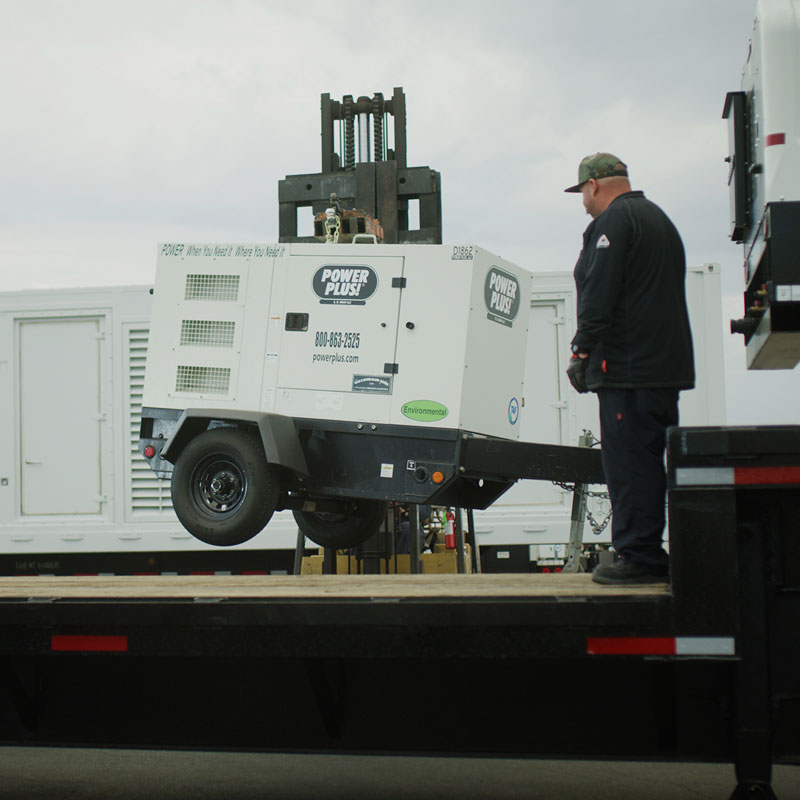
318 587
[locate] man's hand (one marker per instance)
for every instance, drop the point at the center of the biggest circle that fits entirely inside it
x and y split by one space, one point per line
576 372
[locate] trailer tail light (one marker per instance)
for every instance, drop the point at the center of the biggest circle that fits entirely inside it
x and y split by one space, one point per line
149 451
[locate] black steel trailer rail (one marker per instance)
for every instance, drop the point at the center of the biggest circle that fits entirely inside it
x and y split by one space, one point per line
707 668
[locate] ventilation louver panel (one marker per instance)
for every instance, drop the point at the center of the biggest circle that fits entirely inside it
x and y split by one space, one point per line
207 333
203 380
148 494
212 287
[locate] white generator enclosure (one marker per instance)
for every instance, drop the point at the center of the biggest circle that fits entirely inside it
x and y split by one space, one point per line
764 158
417 336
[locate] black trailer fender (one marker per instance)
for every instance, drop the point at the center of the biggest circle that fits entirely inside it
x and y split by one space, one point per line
278 435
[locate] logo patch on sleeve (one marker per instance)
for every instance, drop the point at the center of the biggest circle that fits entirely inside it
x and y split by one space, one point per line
602 242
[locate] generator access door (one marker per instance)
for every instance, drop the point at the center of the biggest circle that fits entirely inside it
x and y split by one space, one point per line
339 339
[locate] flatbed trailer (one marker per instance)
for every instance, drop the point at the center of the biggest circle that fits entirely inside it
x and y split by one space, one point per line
707 668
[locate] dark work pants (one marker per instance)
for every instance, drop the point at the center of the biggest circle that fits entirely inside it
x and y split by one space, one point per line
633 425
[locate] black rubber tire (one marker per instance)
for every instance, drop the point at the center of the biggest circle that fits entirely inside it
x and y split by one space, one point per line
223 489
362 519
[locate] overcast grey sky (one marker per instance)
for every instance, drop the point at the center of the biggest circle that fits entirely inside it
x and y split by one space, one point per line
126 123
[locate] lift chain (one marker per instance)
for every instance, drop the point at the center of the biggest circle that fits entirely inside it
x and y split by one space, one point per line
597 527
349 134
377 126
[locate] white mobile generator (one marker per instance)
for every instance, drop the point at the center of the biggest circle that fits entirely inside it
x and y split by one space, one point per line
329 379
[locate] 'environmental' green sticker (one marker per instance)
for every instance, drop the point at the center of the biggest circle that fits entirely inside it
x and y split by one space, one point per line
424 410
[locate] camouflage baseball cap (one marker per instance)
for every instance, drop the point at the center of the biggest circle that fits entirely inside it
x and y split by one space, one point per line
599 165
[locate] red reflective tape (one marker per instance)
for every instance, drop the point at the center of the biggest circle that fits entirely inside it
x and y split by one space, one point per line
60 643
775 138
753 476
255 572
630 646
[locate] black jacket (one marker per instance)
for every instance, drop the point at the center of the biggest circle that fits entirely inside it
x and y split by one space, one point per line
631 283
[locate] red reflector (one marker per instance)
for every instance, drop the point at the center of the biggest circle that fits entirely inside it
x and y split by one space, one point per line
630 646
753 476
88 644
149 451
775 138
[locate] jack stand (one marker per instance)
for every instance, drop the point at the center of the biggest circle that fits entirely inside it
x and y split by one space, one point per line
378 548
472 542
415 565
299 551
461 562
578 517
329 561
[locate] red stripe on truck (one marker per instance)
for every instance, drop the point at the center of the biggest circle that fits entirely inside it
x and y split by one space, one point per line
62 643
754 476
630 646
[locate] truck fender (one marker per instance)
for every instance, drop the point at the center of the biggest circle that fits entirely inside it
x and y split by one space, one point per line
278 435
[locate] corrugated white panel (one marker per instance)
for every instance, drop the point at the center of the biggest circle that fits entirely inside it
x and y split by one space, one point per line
149 495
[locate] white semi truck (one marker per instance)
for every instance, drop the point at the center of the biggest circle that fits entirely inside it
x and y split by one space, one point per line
764 159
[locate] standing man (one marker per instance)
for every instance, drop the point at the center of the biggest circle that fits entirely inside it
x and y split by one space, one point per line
633 348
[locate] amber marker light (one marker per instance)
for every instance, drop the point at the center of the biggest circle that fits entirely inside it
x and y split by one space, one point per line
438 476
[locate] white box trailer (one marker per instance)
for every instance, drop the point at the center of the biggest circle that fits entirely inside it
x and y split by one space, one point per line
534 516
87 347
72 482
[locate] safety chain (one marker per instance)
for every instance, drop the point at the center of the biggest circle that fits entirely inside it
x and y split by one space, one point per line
597 527
333 224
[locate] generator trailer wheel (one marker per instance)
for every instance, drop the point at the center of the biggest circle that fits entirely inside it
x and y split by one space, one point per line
223 489
362 519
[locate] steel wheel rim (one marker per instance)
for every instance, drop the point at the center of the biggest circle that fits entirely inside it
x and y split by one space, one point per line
219 484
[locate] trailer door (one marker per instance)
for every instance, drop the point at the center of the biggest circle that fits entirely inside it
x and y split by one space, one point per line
59 406
545 404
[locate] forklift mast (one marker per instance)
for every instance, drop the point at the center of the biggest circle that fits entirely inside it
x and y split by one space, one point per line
365 173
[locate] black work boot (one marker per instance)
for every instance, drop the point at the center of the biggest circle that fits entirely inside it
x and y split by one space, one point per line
624 572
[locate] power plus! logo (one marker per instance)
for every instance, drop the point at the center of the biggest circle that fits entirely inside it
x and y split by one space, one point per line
501 292
345 285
